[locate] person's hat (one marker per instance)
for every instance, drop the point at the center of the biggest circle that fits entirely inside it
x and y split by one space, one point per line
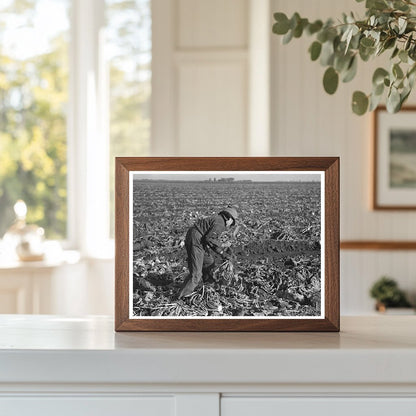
232 211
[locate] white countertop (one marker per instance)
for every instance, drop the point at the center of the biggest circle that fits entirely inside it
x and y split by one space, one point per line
50 349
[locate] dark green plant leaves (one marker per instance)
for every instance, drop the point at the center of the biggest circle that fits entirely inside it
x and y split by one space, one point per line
351 71
281 27
403 56
300 26
389 43
315 50
314 27
330 80
379 75
376 4
395 52
397 71
366 48
359 103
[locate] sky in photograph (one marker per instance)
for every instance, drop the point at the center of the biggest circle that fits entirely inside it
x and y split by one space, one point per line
255 177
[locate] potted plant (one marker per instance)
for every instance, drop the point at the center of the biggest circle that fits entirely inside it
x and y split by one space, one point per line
389 27
387 294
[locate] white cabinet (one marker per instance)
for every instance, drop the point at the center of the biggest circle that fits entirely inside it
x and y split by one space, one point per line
270 406
52 365
88 406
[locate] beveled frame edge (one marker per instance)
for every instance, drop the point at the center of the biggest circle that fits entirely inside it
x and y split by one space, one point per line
330 165
375 205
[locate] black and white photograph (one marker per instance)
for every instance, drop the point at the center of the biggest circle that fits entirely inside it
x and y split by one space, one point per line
226 244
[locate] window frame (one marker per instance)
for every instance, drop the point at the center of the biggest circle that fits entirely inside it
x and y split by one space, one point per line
87 133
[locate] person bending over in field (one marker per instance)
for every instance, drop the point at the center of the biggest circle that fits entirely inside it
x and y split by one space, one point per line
201 240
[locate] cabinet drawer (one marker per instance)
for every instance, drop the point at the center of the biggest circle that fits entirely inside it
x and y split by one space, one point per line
87 406
273 406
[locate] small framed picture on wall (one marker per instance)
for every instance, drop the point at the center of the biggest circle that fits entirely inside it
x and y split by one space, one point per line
394 150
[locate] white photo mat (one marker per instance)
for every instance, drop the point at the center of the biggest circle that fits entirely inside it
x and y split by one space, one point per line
138 174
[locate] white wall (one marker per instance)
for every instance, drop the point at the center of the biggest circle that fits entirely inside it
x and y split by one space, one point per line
211 92
203 84
308 122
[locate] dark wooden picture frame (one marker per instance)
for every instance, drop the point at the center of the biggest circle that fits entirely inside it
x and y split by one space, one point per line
328 165
380 149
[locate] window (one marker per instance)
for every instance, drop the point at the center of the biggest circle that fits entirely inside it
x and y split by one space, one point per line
33 97
75 87
129 43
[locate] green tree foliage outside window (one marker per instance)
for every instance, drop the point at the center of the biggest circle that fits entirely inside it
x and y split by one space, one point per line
129 43
33 100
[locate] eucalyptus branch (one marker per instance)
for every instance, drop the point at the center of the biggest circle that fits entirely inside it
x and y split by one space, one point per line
388 26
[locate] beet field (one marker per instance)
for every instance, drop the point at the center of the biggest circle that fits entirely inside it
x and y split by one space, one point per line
276 268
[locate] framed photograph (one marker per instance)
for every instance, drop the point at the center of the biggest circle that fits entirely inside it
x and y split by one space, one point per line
227 244
394 179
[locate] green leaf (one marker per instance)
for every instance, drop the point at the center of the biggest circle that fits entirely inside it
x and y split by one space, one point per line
367 42
314 27
403 56
355 41
378 89
359 103
411 76
341 61
281 27
397 71
330 80
288 37
404 95
327 53
389 43
366 53
374 101
393 101
400 5
412 52
395 52
298 30
322 36
294 20
412 70
379 75
376 4
351 71
315 50
348 34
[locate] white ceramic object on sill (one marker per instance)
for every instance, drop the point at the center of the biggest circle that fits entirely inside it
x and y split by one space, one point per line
25 241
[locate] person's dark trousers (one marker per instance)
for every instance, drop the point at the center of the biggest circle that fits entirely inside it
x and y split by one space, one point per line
199 261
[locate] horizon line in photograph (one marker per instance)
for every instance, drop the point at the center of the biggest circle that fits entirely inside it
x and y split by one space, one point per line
229 176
